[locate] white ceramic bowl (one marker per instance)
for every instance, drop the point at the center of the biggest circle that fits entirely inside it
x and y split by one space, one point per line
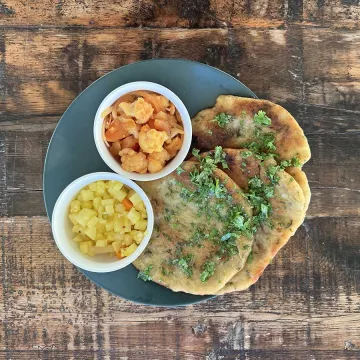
61 226
103 149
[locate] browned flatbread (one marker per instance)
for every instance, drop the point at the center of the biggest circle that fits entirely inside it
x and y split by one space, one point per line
176 222
290 140
301 178
288 212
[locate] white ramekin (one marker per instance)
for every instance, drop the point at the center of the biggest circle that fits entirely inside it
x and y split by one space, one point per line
103 149
61 226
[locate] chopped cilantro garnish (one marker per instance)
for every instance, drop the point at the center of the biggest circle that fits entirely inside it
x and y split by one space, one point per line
262 119
220 157
184 264
292 162
258 195
145 274
245 154
164 271
196 153
180 170
222 119
208 270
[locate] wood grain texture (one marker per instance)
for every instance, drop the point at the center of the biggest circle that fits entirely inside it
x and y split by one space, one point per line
301 54
306 304
187 13
39 66
36 74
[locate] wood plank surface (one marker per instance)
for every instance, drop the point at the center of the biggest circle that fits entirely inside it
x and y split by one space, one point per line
185 13
303 55
306 303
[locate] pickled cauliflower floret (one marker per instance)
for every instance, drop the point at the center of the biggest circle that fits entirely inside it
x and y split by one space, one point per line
157 160
139 109
130 126
151 140
174 146
139 124
133 161
165 103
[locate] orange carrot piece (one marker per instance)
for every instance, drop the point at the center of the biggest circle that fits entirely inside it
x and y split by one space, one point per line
127 203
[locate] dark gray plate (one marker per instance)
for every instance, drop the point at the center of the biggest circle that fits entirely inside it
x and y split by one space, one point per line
72 152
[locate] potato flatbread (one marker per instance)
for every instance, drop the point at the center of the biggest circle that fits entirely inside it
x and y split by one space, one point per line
192 248
288 212
301 178
230 124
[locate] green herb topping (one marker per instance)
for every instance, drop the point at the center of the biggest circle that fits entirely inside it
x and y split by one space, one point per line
208 270
145 275
262 119
222 119
184 263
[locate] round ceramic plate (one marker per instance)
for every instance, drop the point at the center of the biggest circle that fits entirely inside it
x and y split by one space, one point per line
72 152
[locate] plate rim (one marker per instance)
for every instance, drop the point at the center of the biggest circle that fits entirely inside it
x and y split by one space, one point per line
185 303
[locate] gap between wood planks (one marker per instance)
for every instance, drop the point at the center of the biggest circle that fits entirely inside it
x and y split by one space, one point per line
307 298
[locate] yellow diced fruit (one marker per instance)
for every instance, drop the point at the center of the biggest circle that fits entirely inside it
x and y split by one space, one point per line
72 218
120 208
109 209
119 195
97 203
115 185
84 216
77 229
100 187
78 238
118 224
110 236
116 246
87 195
135 198
92 187
127 225
75 206
101 227
93 222
129 250
99 235
109 225
107 196
128 240
134 216
141 225
101 210
101 243
137 236
91 233
107 202
140 206
87 204
118 237
84 247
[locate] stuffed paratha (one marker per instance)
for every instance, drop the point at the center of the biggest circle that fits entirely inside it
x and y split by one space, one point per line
200 239
236 122
301 178
284 205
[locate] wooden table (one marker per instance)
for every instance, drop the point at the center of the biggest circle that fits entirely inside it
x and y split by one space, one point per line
304 55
